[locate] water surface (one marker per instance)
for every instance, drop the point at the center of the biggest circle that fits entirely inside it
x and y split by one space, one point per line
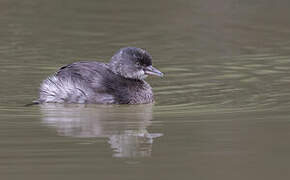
221 111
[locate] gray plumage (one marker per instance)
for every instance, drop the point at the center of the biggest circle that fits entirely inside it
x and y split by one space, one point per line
121 81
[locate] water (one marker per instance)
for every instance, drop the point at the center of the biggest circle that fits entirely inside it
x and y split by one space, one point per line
221 112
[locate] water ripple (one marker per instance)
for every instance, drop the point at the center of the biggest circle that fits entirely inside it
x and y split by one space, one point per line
248 82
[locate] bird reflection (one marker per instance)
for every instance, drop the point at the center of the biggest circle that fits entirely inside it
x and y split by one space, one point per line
124 126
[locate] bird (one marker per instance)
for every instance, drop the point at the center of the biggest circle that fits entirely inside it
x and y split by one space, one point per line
120 81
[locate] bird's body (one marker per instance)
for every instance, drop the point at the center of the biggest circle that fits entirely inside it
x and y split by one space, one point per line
93 82
119 82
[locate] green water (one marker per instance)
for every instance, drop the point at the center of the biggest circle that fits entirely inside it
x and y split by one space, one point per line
221 111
